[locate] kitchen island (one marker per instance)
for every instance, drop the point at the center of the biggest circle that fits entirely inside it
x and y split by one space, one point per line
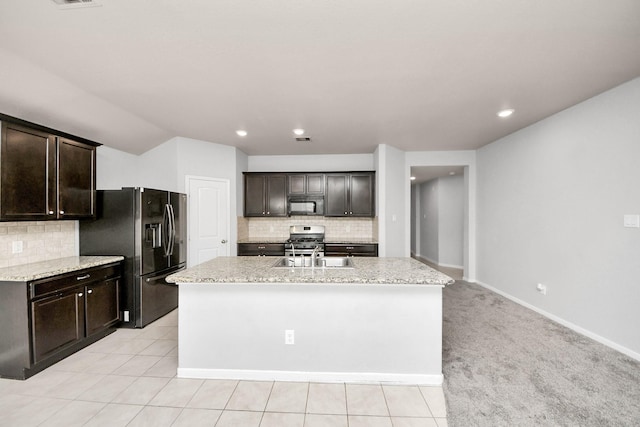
243 318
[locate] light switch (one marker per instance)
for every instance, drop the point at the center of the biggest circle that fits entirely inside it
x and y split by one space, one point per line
632 221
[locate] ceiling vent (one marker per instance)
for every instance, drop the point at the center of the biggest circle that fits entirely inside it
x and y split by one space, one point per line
74 4
303 138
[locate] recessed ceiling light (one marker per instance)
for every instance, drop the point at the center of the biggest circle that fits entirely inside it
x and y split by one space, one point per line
298 131
452 173
241 132
505 113
413 178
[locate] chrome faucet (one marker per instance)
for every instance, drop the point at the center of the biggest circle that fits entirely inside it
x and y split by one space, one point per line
293 252
313 255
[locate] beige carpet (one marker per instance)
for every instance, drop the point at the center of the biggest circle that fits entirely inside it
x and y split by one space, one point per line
505 365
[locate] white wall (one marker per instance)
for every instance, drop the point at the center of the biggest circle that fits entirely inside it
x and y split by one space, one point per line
201 158
551 200
440 215
342 333
451 221
429 221
393 204
158 168
312 163
115 169
415 220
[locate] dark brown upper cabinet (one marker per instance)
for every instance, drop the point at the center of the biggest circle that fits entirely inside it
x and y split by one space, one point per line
44 175
305 184
350 194
265 194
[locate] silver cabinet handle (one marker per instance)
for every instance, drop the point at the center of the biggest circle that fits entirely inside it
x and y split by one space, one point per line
223 241
86 276
89 291
50 212
61 212
80 294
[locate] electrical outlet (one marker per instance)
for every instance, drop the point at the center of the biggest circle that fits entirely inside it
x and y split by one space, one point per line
126 315
541 288
16 247
289 336
632 221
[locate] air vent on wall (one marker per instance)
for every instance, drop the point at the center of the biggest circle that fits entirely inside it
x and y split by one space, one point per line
73 4
303 138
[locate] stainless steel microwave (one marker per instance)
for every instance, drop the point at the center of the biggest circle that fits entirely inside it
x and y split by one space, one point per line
305 205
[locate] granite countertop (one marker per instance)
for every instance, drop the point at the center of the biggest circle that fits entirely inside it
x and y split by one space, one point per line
44 269
366 271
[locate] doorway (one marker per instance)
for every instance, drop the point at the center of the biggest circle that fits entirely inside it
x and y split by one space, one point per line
208 225
440 217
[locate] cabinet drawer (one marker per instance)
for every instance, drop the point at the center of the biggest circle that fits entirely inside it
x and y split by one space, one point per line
342 249
256 249
78 278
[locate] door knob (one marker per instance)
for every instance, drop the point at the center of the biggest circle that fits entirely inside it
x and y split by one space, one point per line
223 241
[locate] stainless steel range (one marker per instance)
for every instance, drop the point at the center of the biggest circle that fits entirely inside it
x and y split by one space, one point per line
305 240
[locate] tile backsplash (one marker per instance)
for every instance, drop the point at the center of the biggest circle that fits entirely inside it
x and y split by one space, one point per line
277 229
41 241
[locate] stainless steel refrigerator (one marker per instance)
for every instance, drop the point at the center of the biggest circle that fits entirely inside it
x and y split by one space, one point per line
148 227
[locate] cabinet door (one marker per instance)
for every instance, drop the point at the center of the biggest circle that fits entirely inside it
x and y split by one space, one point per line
254 195
315 184
301 184
297 184
76 179
57 322
102 308
335 199
28 177
361 195
276 196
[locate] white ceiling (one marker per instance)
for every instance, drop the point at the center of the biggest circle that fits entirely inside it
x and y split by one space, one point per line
415 74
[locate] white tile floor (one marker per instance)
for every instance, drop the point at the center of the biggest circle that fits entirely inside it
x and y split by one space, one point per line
129 379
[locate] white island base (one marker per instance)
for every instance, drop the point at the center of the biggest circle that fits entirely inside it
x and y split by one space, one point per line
342 332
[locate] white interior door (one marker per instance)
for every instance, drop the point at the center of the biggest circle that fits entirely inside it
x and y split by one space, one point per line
208 219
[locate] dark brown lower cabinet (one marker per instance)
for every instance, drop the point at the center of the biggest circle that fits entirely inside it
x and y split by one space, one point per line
45 320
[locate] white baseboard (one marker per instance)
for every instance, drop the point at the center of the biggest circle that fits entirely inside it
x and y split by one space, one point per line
563 322
439 264
327 377
457 267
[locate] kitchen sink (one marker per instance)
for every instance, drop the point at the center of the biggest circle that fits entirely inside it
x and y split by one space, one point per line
321 262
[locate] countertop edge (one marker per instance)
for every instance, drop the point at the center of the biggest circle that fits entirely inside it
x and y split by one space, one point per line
367 271
50 268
